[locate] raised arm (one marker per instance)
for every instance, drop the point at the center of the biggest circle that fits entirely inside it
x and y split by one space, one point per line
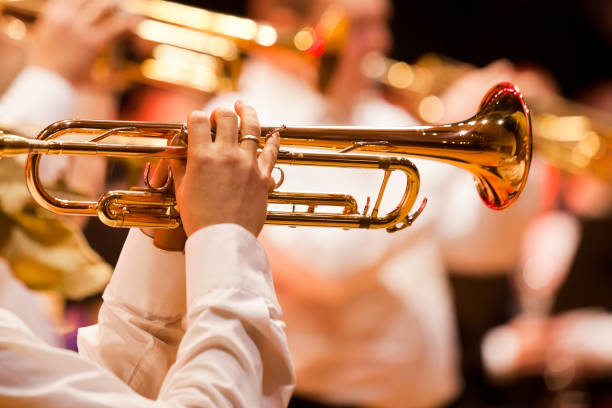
231 304
228 277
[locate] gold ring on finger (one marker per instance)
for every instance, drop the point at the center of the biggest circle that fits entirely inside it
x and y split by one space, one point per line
248 137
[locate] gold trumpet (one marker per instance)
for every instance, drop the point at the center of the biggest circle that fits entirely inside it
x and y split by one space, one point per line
494 145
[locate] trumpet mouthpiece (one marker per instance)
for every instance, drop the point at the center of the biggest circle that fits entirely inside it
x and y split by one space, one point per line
11 145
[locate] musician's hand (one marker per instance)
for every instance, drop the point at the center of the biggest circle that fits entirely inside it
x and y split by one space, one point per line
568 346
463 97
71 34
224 181
517 348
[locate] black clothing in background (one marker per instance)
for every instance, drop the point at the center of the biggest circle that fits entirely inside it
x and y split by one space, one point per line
589 282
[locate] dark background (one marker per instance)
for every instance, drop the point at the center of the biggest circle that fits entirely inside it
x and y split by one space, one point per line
571 38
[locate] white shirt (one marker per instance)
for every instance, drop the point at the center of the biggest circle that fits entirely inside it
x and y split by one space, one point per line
38 96
232 354
18 299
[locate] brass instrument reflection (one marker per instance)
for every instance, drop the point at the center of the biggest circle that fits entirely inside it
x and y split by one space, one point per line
571 136
192 47
420 84
575 138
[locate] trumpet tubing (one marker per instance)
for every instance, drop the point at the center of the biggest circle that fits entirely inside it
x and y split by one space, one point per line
494 145
140 207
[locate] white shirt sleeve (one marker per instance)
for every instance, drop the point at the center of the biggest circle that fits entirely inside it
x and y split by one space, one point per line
233 354
38 96
234 325
139 324
17 298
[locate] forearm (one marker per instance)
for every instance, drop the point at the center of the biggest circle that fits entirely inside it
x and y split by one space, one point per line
233 322
139 326
234 335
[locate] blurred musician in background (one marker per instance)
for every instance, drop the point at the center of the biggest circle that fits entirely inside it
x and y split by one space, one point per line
66 42
39 249
559 337
557 341
370 321
195 328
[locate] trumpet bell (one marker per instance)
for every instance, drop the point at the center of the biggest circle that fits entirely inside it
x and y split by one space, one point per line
505 121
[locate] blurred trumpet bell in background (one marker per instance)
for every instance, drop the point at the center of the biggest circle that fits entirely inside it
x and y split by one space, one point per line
571 136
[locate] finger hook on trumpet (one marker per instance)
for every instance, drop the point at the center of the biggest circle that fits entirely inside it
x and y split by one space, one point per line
167 183
281 178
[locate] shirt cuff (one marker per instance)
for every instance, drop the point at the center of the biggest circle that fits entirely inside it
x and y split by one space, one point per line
226 256
148 279
38 96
